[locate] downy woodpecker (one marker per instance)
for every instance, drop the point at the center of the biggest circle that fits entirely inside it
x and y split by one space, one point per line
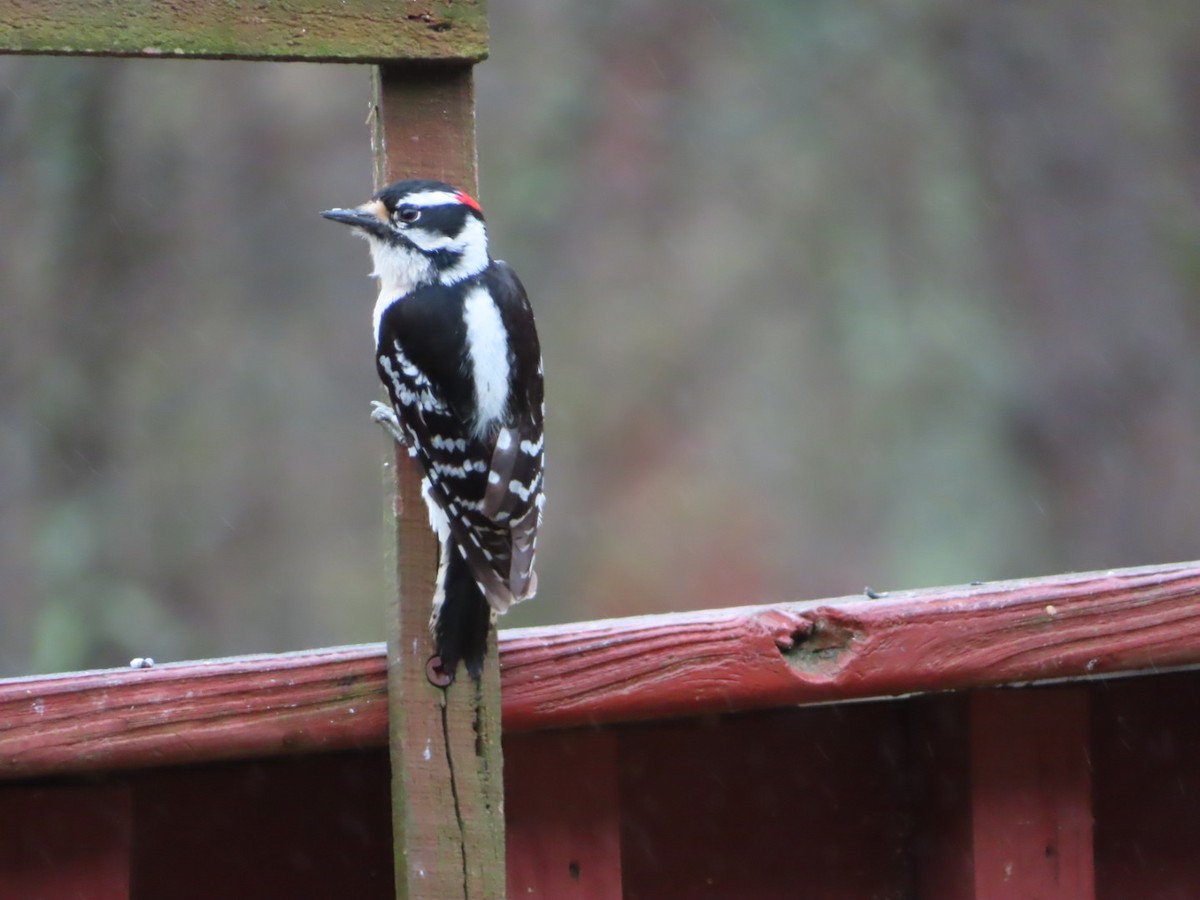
457 350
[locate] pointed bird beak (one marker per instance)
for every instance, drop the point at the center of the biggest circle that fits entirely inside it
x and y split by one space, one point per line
370 217
352 217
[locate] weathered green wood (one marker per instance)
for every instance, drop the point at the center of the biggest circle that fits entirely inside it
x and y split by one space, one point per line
315 30
447 766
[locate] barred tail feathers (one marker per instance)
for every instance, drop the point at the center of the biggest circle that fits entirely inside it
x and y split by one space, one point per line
461 614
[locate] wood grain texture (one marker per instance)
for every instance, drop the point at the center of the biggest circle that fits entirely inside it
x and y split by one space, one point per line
193 712
1031 795
718 661
349 31
447 762
620 670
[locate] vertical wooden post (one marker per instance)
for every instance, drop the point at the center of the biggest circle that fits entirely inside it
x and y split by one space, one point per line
447 778
1031 794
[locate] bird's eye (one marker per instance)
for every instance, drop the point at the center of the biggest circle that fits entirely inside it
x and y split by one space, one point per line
408 214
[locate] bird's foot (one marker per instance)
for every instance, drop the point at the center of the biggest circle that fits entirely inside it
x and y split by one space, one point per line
385 416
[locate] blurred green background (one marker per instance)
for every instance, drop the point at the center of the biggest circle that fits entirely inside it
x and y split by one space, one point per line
831 294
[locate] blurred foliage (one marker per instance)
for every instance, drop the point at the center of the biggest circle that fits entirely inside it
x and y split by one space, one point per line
830 295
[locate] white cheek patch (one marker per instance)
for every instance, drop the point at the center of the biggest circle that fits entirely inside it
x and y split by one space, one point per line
430 240
472 244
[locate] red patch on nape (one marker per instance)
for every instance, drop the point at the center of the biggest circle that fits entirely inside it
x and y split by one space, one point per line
467 200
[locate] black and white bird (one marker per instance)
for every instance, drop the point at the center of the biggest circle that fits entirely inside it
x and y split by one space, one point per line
457 350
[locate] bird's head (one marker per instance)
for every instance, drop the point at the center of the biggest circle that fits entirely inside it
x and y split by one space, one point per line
420 232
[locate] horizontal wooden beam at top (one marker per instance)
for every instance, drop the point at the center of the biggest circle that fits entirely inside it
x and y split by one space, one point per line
621 670
311 30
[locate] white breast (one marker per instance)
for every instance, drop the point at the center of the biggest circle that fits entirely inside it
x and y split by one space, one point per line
487 355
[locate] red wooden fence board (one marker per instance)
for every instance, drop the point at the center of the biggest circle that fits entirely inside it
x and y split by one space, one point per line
67 841
911 799
1031 795
1146 754
563 815
986 795
940 759
280 829
771 806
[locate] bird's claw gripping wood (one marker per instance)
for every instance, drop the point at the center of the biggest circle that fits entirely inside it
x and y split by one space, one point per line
383 414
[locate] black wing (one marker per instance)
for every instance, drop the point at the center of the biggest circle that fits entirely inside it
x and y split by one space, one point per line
490 486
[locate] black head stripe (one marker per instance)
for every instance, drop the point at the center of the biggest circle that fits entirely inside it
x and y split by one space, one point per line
447 220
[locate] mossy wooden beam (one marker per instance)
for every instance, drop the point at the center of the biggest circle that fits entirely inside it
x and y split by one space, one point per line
311 30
